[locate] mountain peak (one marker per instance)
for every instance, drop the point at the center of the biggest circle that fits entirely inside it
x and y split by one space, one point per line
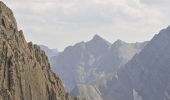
2 4
99 40
97 37
7 18
119 42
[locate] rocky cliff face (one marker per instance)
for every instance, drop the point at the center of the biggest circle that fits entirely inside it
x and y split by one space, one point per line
25 73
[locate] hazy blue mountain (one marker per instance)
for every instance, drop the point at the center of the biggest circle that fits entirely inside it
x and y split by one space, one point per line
146 76
78 61
92 61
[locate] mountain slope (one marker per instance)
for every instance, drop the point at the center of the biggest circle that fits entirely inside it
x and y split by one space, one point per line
25 73
146 76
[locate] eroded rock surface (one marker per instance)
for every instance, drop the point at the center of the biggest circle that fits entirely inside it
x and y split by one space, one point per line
25 73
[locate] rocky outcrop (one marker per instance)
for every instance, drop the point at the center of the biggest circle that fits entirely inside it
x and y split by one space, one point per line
25 73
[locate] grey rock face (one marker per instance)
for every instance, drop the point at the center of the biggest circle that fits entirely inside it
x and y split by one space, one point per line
147 74
25 73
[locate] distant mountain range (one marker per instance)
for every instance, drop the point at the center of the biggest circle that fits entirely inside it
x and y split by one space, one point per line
99 70
93 70
89 65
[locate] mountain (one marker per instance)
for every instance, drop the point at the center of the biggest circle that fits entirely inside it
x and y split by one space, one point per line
78 61
146 76
93 61
119 54
25 73
49 52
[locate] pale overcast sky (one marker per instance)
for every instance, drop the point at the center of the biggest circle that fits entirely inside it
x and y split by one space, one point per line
59 23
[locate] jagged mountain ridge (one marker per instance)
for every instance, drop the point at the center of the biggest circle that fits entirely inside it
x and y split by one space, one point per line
92 64
25 73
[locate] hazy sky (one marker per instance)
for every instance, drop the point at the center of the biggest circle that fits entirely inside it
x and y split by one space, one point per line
59 23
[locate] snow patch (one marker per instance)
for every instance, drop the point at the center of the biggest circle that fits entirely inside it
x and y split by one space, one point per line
136 96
